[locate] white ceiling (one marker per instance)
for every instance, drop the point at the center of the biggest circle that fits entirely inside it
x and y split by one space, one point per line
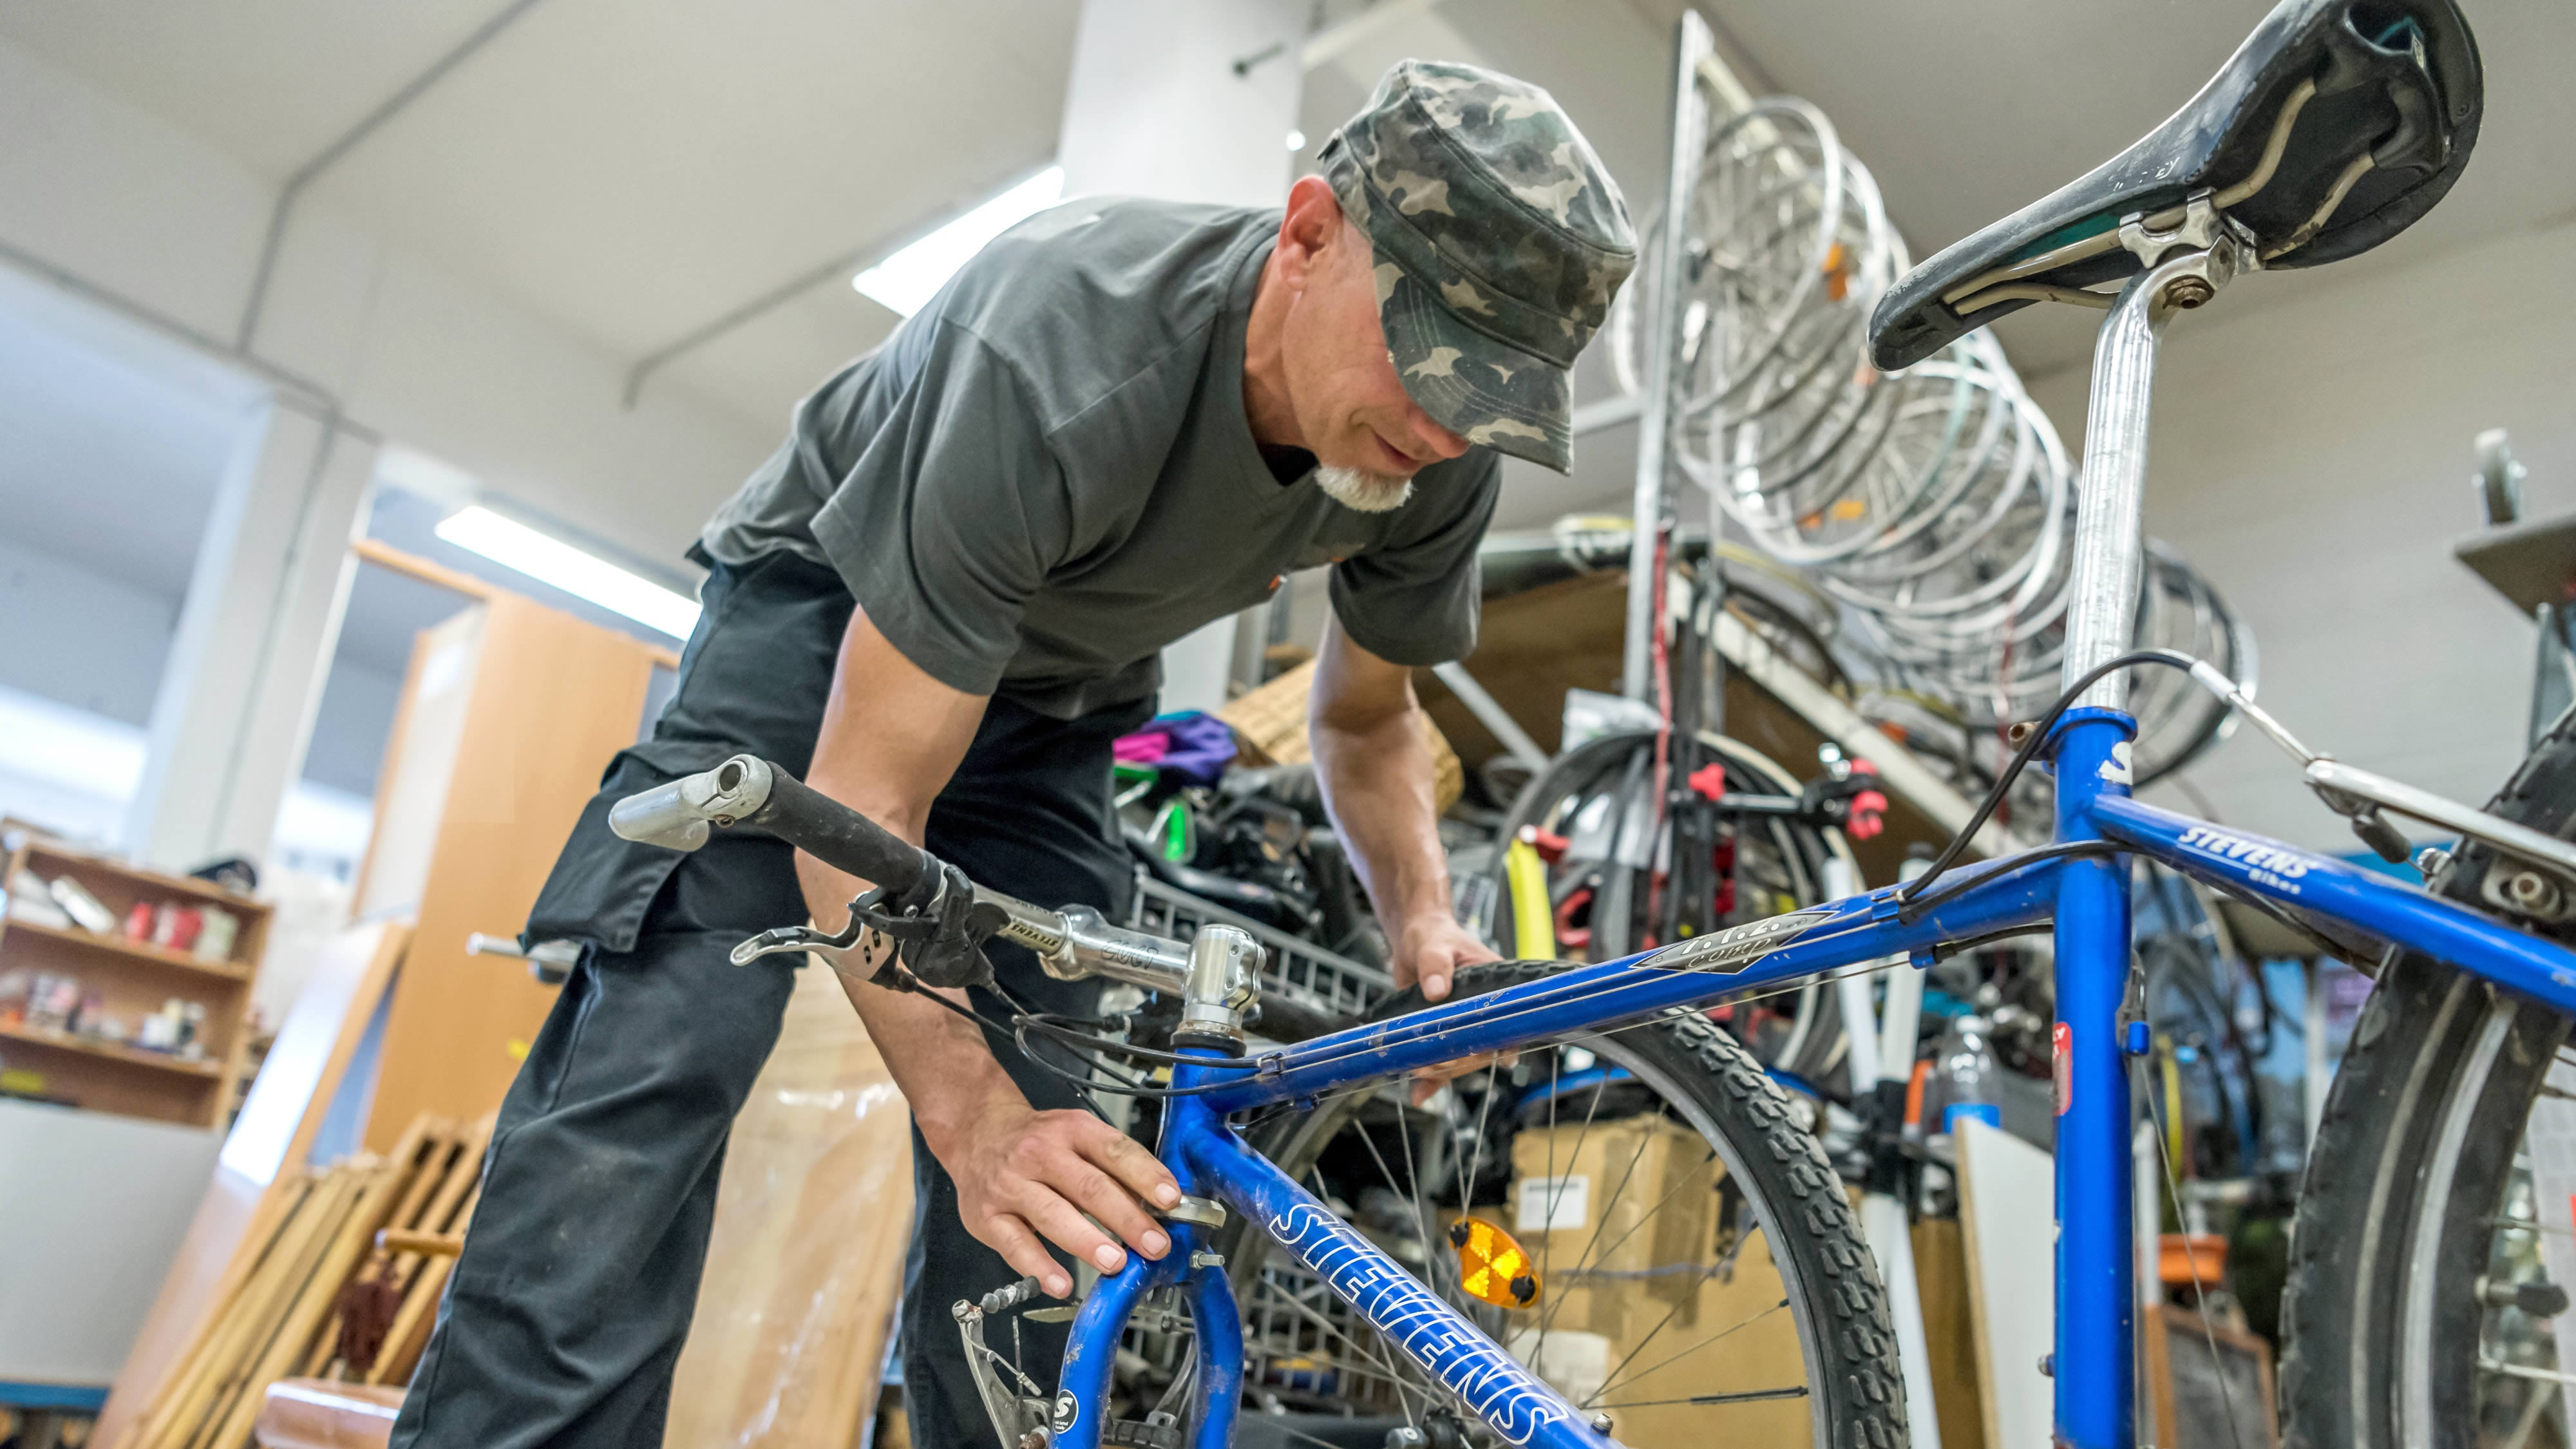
630 169
634 169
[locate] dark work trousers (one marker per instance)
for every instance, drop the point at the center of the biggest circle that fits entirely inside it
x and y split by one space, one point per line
568 1308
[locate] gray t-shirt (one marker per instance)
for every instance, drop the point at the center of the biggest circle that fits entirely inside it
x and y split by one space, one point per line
1046 475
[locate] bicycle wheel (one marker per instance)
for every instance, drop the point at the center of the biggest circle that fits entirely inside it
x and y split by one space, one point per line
1700 1276
1775 865
2419 1307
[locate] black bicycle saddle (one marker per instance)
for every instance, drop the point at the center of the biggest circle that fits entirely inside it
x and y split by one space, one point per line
2334 126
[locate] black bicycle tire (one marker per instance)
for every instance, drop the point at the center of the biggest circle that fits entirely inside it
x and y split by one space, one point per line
2411 1158
1859 1388
1583 767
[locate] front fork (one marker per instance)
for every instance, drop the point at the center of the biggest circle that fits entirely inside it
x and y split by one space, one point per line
1075 1420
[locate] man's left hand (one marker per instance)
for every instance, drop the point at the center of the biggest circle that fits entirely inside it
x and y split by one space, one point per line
1431 950
1429 954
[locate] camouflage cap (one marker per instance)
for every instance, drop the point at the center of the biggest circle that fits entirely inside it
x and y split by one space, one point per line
1500 241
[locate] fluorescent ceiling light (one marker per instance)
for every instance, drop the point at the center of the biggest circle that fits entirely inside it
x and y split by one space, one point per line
906 281
512 544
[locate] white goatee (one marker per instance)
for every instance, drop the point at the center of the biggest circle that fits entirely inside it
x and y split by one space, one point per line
1362 490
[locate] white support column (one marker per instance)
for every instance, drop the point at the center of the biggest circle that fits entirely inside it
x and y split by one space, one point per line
1156 107
254 642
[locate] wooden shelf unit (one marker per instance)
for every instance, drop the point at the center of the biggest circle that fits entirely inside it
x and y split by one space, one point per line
133 979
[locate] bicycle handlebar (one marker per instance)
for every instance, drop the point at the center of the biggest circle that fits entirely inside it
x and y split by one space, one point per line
748 790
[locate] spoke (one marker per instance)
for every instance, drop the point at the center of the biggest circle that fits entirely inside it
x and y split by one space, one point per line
1271 1421
1644 1218
1547 1242
1613 1376
1476 1164
1394 1376
1413 1174
1600 1220
1797 1391
2199 1292
1703 1343
1724 1269
1389 1174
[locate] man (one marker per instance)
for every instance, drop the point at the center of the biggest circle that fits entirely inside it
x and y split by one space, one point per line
940 602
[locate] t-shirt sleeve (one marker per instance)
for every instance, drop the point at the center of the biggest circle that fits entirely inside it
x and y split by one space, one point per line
947 521
1414 601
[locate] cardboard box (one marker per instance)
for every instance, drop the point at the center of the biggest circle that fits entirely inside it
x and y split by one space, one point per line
1623 1218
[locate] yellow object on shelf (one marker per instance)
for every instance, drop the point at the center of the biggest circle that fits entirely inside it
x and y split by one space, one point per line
1533 924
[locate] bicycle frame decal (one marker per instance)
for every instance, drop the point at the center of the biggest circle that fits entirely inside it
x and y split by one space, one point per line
1414 1320
1514 1403
2333 890
1728 952
2087 898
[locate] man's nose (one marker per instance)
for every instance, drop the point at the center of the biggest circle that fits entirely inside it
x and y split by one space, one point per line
1439 440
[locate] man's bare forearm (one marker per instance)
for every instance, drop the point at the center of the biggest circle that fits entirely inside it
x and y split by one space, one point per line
940 1060
1376 781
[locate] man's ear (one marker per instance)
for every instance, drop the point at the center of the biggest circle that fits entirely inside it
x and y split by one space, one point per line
1312 225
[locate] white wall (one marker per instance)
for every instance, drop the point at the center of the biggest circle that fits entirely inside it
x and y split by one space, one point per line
78 637
2311 457
115 214
134 204
1186 129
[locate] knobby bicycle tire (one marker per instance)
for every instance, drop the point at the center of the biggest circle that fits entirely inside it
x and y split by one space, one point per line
2398 1219
1815 1044
1854 1391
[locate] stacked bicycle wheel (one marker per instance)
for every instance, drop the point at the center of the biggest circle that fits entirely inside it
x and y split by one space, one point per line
1934 505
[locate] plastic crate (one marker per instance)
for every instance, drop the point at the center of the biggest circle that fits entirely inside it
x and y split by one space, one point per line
1299 970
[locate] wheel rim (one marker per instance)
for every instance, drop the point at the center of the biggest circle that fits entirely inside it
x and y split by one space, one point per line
1645 1361
2422 1283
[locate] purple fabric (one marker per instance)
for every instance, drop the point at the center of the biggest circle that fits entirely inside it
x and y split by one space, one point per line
1193 744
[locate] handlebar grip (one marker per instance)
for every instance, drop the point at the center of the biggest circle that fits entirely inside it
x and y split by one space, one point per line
837 835
748 790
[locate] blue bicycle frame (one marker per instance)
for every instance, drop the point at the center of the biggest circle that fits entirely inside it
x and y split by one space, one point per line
2085 896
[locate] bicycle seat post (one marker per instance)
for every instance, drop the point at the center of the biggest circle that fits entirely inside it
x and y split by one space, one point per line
2185 267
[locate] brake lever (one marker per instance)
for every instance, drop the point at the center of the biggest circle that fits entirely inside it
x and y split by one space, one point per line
779 940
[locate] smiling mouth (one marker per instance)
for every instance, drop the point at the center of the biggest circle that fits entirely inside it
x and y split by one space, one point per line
1405 462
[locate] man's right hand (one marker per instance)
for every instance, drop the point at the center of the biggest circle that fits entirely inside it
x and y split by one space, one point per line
1023 1174
890 738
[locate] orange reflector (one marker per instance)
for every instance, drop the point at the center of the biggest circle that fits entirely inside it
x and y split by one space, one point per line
1491 1267
1837 273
